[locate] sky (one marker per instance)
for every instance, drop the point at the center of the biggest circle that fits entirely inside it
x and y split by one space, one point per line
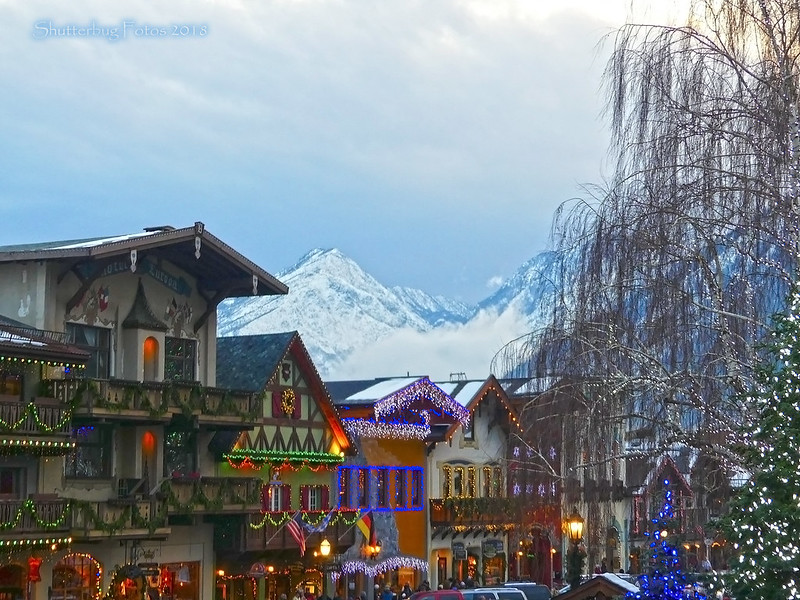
429 140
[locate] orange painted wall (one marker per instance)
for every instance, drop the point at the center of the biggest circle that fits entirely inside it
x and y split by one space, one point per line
403 453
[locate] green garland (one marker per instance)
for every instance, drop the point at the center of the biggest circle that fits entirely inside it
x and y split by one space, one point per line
31 409
279 518
29 507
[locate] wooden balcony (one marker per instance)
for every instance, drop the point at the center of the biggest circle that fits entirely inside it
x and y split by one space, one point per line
138 518
475 512
211 495
119 399
271 536
34 517
41 426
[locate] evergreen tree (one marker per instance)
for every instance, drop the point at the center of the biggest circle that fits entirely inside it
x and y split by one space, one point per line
666 580
763 522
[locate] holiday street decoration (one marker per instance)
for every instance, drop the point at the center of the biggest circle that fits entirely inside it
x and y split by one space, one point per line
371 569
763 518
419 390
367 428
242 458
666 580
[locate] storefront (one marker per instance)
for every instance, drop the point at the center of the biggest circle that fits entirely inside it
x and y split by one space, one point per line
494 562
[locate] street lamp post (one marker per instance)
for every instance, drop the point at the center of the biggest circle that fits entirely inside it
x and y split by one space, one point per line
574 527
325 552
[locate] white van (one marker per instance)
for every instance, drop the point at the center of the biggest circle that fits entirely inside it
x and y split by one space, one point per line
492 593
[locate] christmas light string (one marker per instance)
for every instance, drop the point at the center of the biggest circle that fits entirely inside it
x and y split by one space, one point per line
276 519
422 389
368 428
371 569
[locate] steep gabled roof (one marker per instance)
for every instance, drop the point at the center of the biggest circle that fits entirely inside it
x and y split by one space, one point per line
249 362
221 271
471 393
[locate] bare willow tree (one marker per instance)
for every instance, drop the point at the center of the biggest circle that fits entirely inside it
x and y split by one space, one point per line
672 269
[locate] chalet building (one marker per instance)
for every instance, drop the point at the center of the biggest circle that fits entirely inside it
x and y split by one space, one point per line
565 461
36 430
700 489
295 451
473 512
393 423
128 421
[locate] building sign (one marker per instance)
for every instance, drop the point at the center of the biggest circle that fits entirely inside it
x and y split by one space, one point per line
459 551
492 548
176 284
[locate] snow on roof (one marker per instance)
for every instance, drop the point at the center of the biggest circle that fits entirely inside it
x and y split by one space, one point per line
384 388
468 392
109 240
615 579
447 387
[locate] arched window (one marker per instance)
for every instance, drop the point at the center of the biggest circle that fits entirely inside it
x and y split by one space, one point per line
150 356
76 576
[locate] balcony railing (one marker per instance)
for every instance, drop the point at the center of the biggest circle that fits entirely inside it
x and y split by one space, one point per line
40 416
109 397
184 495
117 518
34 515
267 531
475 511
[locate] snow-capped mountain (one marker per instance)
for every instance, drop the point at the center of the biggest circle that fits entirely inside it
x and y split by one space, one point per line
337 307
531 291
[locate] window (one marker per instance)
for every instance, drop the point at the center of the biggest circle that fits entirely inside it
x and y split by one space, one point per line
180 452
179 359
497 484
314 497
345 489
382 488
76 576
469 428
363 488
416 489
10 384
97 342
401 489
11 483
275 497
92 456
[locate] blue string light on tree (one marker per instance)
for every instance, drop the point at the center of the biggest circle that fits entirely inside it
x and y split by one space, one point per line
665 581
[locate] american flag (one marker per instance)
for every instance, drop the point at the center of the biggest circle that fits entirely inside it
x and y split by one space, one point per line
296 529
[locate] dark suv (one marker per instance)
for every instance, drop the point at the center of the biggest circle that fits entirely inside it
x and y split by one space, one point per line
532 591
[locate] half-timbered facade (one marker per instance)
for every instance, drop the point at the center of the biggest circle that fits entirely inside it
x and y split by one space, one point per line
295 449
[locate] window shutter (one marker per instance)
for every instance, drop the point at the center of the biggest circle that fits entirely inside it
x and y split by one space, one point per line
326 497
286 497
304 497
276 404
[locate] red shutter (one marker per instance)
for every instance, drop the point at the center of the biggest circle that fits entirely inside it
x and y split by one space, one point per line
304 497
276 404
286 497
296 413
326 497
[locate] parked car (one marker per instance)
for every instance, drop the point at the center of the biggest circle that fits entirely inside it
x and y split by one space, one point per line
438 595
532 590
492 593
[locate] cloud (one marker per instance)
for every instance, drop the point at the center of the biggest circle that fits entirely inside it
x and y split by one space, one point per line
495 282
467 348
